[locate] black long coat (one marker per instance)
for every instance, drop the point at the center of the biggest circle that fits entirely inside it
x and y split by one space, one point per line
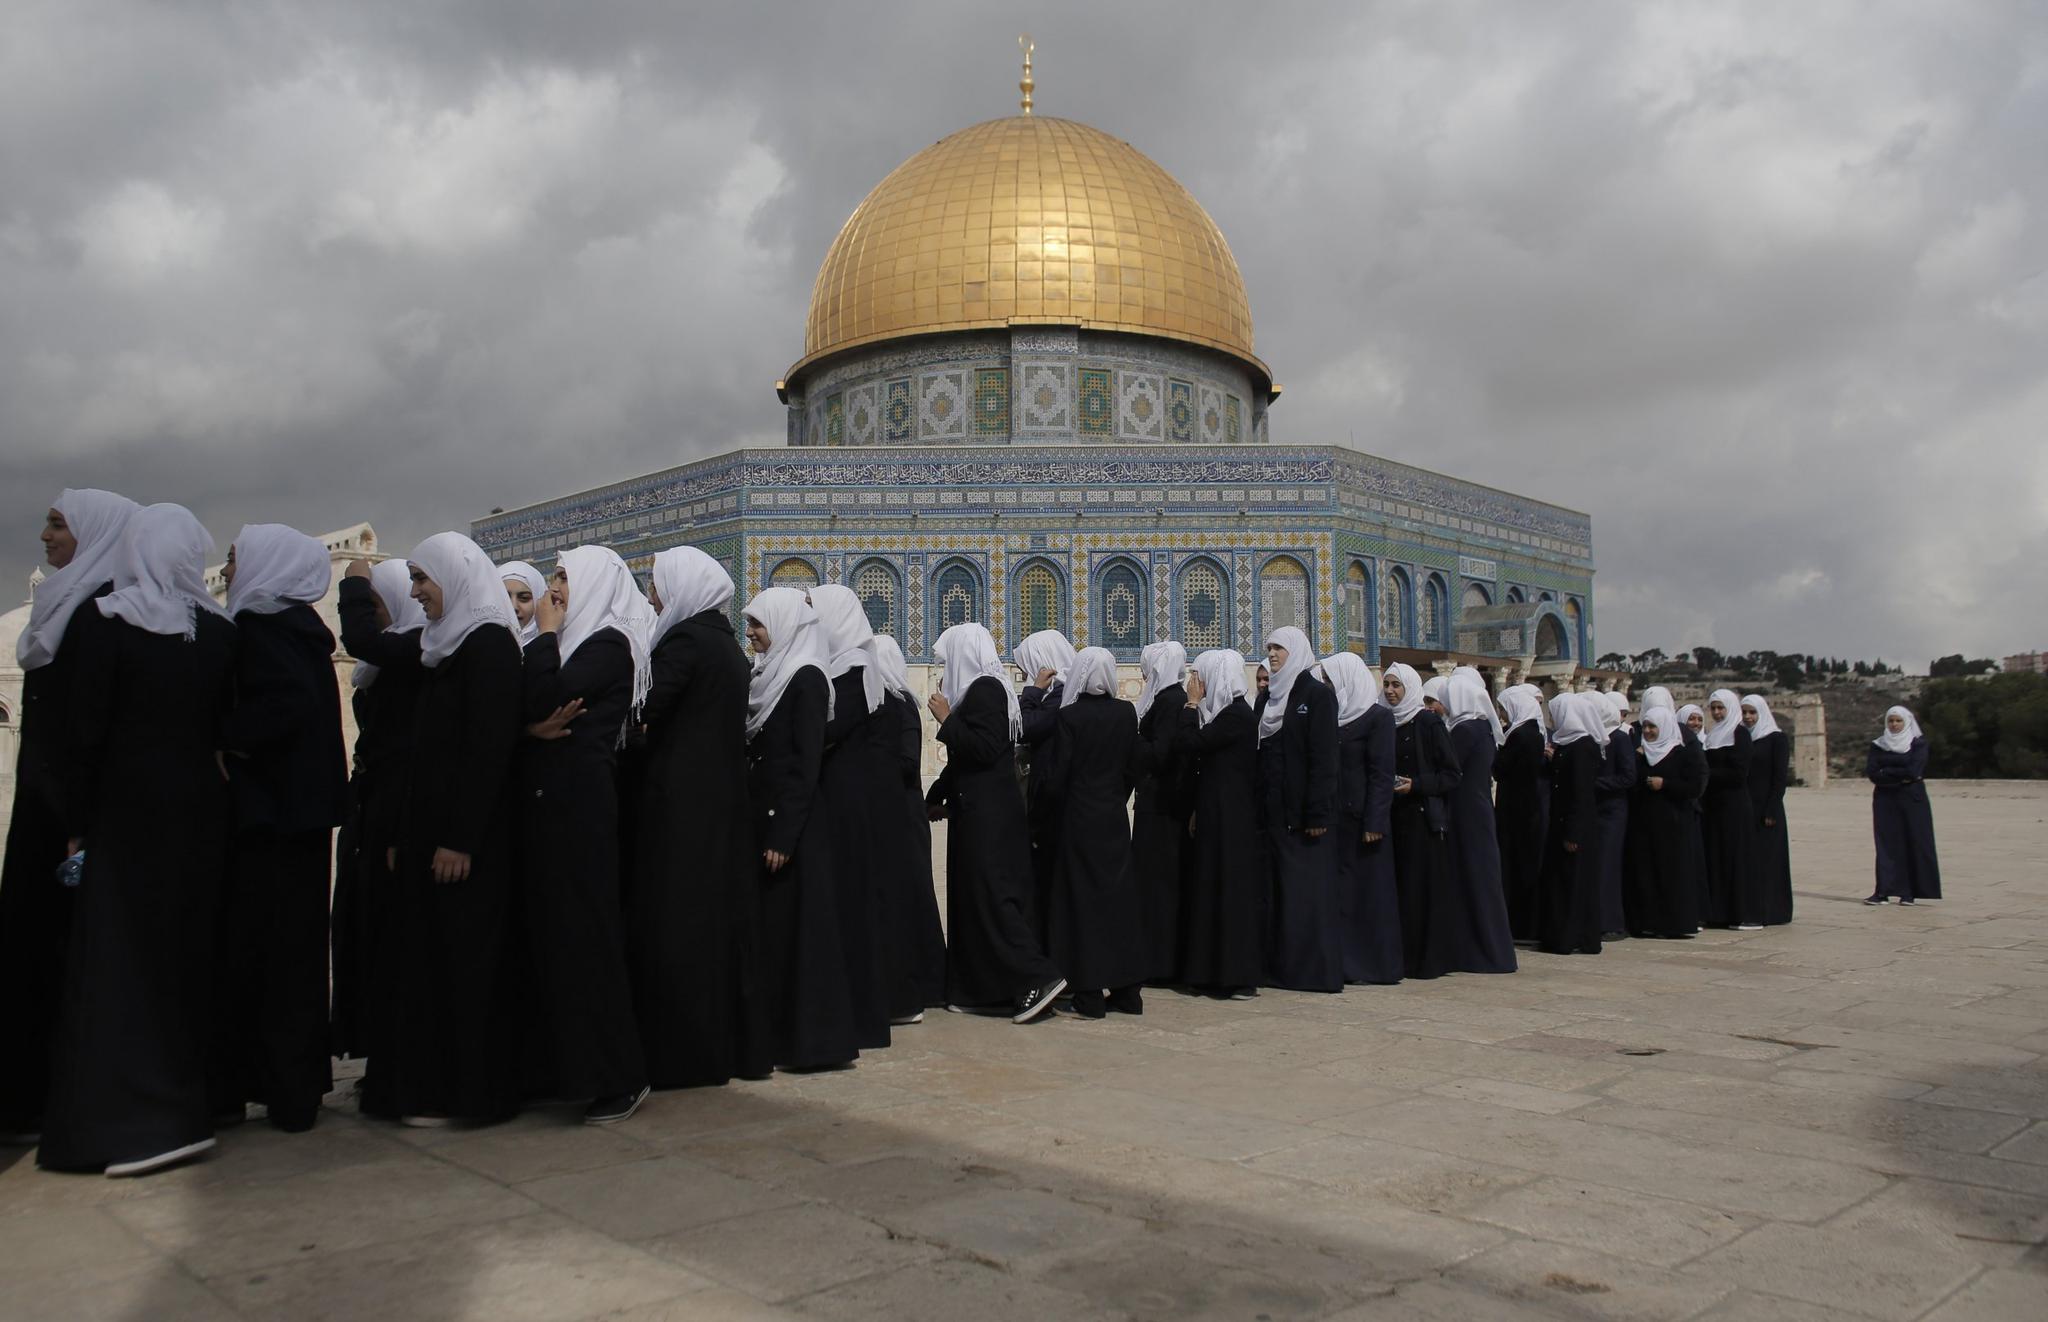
1224 914
1728 832
1568 898
35 910
1039 710
1469 932
128 1073
457 1038
914 941
1903 823
1770 770
1368 901
858 778
1086 772
1298 794
1521 819
1663 875
692 896
586 1042
993 955
1422 852
1610 791
1159 831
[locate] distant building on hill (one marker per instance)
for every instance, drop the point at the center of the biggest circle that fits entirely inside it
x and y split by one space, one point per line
2031 663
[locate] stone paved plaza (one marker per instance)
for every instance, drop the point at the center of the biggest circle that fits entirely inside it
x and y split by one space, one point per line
1843 1119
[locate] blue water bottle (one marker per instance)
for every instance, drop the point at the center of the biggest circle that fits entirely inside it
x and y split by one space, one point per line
72 869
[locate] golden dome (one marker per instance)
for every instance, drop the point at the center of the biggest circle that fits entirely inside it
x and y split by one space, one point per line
1029 221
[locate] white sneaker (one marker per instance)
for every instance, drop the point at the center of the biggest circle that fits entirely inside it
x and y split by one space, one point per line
144 1165
909 1019
425 1121
1749 927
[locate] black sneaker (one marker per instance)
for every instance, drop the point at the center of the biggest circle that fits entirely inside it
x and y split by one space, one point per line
1037 1001
1127 1000
611 1110
1905 902
1875 899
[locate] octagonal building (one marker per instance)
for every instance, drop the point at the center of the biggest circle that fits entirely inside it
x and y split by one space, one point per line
1029 396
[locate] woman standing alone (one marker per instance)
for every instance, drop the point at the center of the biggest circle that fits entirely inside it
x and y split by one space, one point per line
1902 819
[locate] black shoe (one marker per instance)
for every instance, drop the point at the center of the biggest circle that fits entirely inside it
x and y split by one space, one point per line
293 1122
1127 1000
227 1117
611 1110
1089 1005
1875 899
1905 902
1037 1001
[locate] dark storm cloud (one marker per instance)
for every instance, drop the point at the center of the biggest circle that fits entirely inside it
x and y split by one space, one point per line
1761 287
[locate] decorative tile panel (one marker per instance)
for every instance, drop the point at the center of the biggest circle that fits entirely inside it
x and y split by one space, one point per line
1233 424
1209 417
896 412
942 406
862 417
835 420
1047 398
1180 412
1098 403
991 402
1141 408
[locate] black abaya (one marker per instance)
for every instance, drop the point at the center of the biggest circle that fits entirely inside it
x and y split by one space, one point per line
1521 817
1159 830
1728 830
456 1035
1902 822
1469 934
913 941
1085 772
993 957
803 944
1420 835
1368 902
1770 767
129 1076
1297 796
1568 897
586 1043
1611 792
858 778
1662 874
288 779
691 896
1225 947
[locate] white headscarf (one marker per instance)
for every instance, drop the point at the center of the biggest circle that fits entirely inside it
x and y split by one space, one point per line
1685 713
604 595
1620 703
889 659
1434 687
1048 649
530 576
1353 682
794 641
1222 674
276 568
1766 724
1164 665
1411 692
391 580
968 653
1535 695
1573 717
97 519
1471 673
1903 740
1608 714
1721 734
1670 734
1093 671
848 637
472 594
1656 696
1523 707
160 585
1301 657
690 583
1467 699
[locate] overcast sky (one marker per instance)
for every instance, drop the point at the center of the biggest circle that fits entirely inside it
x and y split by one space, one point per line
1764 288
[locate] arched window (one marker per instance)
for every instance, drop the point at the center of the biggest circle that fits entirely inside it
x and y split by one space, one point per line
1476 596
877 586
1549 639
1516 595
1204 607
1283 595
794 573
1433 610
1397 607
1577 622
1120 609
956 595
1358 608
1545 596
1038 599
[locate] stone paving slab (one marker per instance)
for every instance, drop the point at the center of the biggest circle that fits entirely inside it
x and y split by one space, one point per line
1844 1119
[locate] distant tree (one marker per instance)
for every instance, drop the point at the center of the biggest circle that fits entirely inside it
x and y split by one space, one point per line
1612 661
1648 661
1841 666
1954 666
1861 668
1791 672
1994 729
1706 658
1741 665
1763 662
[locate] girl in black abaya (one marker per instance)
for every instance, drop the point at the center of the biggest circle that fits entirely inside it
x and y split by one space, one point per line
993 955
1225 950
1611 790
811 1021
145 800
857 779
913 942
1042 659
1568 896
692 897
1159 818
1901 818
1664 861
1425 774
1297 803
591 651
288 777
1728 819
456 1038
1521 809
82 543
1469 934
1368 902
1770 769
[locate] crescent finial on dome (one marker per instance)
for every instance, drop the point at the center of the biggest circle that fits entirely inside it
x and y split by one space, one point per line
1024 85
